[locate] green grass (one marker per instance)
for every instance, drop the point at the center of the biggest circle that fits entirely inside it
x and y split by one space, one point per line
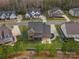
56 19
52 48
70 46
57 43
25 19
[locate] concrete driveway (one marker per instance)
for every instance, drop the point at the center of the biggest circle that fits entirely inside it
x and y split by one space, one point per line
54 31
43 18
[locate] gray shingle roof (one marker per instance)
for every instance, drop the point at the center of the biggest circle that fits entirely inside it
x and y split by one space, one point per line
6 35
7 14
40 27
75 9
72 28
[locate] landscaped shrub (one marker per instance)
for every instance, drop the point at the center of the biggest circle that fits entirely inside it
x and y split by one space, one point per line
70 46
52 51
46 47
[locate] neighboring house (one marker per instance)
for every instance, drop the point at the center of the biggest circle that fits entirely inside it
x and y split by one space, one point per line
27 15
74 11
70 29
7 15
6 35
38 30
0 14
35 13
55 12
13 15
10 15
3 15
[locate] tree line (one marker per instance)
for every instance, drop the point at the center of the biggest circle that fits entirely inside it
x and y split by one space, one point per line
22 5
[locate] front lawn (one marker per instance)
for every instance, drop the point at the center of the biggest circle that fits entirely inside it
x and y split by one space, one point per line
55 19
70 46
32 44
25 19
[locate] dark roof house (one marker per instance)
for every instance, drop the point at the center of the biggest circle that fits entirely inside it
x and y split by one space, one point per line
71 29
39 30
7 15
55 12
10 15
34 12
3 15
5 35
13 16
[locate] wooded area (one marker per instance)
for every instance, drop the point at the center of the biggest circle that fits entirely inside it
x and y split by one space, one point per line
44 4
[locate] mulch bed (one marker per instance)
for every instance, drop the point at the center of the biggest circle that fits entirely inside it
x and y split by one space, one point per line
59 55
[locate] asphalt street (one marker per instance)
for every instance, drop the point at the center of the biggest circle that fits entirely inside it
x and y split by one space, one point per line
58 22
26 22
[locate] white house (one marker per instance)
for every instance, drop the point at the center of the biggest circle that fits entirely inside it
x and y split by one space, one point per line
3 16
71 29
74 11
13 16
